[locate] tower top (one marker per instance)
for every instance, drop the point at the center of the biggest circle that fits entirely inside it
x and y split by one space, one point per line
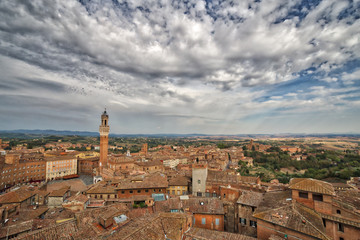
105 113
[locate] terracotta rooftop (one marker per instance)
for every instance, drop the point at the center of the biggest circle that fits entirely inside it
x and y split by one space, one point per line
296 217
193 205
60 157
311 185
62 231
15 229
250 198
101 188
146 181
273 200
78 198
149 163
349 199
179 181
223 177
206 234
153 227
59 192
16 196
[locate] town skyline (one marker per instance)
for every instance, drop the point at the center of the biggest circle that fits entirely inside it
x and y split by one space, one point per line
200 67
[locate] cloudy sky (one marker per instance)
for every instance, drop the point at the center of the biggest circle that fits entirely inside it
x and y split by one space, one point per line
231 67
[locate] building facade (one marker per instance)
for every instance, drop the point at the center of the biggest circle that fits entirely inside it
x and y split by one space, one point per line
59 167
16 170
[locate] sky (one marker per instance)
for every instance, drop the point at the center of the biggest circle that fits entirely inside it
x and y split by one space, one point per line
212 67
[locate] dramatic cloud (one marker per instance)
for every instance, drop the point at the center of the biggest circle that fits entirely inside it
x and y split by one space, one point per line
182 67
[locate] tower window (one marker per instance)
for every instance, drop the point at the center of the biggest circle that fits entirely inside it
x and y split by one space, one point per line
340 227
338 211
105 122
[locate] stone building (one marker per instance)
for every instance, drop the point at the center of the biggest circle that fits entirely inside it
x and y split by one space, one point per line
199 176
88 166
246 205
312 209
60 166
178 185
57 197
17 169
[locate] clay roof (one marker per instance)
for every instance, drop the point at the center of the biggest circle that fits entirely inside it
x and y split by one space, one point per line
63 231
149 163
311 185
179 181
250 198
146 181
206 234
60 192
79 198
60 157
16 229
153 227
193 205
92 159
223 177
205 205
101 188
296 217
349 199
273 200
16 196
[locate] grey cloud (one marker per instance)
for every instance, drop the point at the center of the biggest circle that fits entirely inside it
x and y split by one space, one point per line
149 54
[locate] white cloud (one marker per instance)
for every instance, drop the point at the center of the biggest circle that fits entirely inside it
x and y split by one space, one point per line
148 56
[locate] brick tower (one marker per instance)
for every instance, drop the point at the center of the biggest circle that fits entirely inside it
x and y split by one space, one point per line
104 139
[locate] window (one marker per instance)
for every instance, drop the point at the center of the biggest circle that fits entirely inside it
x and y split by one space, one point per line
194 222
147 190
217 222
318 197
242 221
303 195
341 238
340 227
173 192
131 191
199 182
183 192
214 194
338 211
324 222
139 191
203 221
224 195
253 209
253 224
199 194
207 194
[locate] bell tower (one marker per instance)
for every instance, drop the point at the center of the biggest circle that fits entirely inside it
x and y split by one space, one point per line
104 139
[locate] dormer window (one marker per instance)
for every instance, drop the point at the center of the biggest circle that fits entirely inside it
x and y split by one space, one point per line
318 197
303 195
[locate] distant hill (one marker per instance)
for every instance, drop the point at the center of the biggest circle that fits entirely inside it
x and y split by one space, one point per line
25 133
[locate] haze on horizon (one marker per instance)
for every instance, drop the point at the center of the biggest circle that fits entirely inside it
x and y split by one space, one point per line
212 67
